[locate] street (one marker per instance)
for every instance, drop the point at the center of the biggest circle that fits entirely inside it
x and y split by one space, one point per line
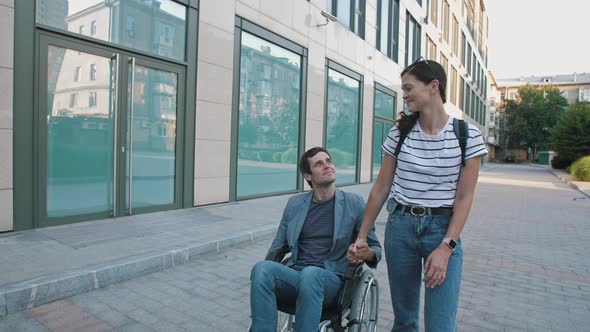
525 269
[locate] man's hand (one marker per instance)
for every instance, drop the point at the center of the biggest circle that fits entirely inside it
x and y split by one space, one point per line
435 269
359 252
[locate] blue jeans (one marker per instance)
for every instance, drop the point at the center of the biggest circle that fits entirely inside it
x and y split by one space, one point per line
309 289
409 240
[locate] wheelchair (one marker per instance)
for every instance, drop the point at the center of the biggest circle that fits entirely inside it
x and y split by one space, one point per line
355 311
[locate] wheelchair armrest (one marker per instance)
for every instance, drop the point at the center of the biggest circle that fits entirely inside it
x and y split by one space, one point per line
353 270
278 255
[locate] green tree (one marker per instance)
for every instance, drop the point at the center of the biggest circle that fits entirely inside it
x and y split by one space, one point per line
570 137
531 117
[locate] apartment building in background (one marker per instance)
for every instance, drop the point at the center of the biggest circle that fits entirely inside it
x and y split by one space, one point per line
111 108
574 87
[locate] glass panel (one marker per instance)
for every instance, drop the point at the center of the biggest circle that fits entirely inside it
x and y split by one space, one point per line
268 134
359 18
342 124
384 27
343 12
384 105
79 133
153 153
377 151
154 26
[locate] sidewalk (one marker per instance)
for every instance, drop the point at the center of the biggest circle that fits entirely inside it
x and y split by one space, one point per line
581 186
48 264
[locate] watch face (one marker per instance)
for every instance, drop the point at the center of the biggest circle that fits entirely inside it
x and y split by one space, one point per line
452 243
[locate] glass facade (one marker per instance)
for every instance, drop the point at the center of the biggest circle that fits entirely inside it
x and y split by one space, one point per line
269 116
342 124
154 26
385 105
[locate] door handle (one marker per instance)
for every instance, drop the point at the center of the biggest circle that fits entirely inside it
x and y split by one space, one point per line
115 101
132 61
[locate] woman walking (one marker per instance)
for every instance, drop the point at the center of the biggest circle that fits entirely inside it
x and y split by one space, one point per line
430 180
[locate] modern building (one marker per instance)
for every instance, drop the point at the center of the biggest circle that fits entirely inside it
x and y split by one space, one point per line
574 87
111 108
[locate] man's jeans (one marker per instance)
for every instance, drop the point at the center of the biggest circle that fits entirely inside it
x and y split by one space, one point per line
309 289
409 240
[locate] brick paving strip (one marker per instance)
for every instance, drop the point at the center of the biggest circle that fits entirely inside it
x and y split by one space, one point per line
66 316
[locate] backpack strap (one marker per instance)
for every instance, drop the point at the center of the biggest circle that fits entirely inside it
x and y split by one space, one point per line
461 129
402 138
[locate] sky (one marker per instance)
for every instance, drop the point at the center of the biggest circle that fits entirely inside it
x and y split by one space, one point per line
538 37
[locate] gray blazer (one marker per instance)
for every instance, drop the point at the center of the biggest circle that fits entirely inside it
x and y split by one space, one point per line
349 209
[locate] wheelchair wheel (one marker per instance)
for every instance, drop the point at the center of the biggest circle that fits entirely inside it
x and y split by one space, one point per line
364 309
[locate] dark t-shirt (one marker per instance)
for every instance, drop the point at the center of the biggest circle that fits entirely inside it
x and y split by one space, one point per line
315 240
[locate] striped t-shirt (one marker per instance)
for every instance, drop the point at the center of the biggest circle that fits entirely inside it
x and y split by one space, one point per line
428 166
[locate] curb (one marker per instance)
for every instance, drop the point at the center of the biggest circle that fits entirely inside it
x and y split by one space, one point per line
32 293
570 183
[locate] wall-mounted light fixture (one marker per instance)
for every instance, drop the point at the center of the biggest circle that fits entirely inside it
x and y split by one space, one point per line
329 17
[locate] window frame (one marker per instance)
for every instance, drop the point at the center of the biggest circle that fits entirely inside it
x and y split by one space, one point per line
330 64
242 24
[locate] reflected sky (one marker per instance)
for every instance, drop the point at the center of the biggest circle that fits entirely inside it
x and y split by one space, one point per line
278 52
167 6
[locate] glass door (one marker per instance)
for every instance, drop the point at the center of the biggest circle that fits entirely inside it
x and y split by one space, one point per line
107 142
151 120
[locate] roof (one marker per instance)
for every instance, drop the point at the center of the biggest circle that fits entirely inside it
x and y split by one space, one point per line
575 78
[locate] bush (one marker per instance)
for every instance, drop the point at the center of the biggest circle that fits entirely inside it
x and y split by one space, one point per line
560 163
341 158
289 156
570 138
580 169
265 156
276 157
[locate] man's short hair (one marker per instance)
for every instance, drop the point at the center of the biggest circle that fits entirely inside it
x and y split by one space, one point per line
304 166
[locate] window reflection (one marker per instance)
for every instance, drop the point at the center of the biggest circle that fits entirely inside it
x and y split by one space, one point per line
342 124
384 117
79 134
154 136
269 108
154 26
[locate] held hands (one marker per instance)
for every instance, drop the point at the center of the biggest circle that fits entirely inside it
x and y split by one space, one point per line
435 269
359 251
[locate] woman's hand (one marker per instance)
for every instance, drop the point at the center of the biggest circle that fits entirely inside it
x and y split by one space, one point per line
435 269
359 252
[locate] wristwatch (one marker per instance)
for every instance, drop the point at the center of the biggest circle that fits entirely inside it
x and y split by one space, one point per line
450 243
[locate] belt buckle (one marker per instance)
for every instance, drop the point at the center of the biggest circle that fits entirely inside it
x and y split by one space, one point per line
421 212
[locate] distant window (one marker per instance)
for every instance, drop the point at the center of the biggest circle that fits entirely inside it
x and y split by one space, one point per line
350 13
512 95
387 27
413 38
584 94
92 72
131 26
93 28
77 74
162 130
81 30
92 99
564 94
73 100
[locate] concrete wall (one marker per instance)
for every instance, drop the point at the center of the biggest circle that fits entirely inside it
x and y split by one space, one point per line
6 111
295 20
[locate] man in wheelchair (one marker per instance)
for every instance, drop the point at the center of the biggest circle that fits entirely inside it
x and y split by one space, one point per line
317 228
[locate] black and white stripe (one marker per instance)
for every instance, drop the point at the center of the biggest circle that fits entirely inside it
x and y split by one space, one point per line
428 166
